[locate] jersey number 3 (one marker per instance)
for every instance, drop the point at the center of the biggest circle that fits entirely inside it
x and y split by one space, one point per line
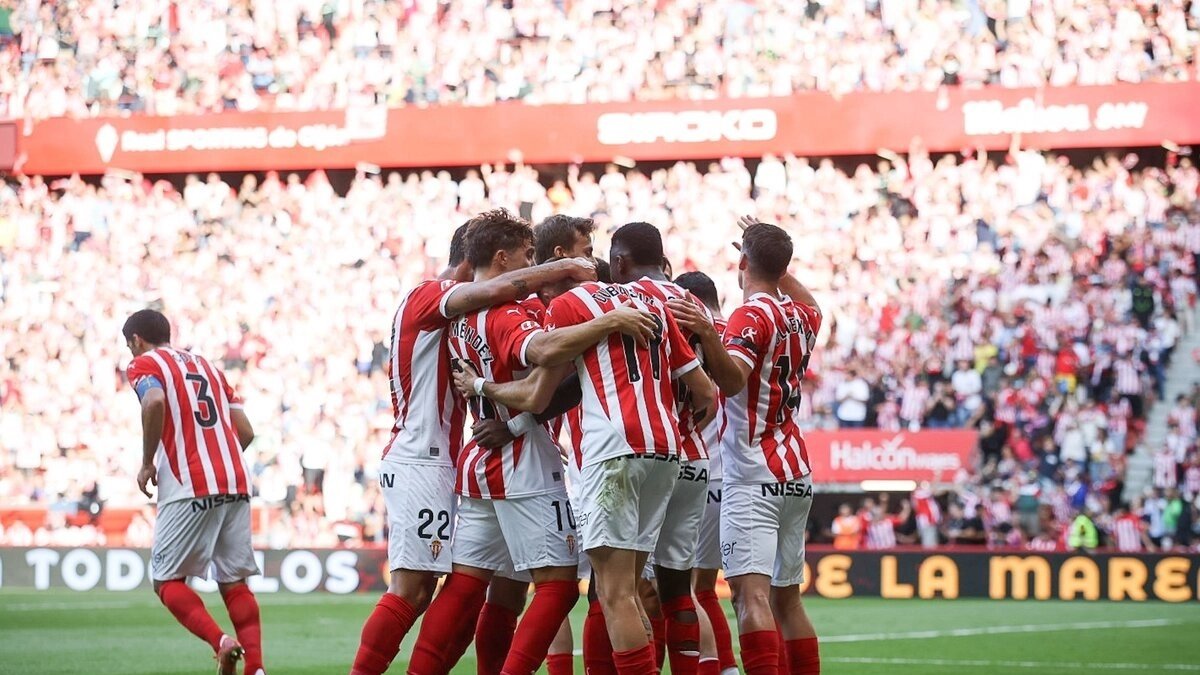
206 415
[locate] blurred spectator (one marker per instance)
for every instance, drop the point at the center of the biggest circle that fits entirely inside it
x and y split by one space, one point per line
1083 535
853 393
846 528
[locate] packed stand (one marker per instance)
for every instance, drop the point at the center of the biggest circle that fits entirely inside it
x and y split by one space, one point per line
165 57
919 261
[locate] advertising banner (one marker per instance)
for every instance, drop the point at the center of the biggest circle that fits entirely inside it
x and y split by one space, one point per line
831 574
851 456
812 123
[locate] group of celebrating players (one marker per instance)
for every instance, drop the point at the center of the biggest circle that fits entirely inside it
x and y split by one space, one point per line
681 457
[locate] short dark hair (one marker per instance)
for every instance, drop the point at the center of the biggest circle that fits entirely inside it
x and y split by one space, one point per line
558 230
641 241
700 285
458 245
495 230
603 271
768 249
148 324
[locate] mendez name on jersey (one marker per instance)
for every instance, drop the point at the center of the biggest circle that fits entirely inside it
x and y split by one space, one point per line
495 341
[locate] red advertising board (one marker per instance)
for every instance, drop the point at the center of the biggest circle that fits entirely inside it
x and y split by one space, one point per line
805 124
852 456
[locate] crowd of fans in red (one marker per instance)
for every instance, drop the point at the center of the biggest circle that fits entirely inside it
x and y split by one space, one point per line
167 57
1032 299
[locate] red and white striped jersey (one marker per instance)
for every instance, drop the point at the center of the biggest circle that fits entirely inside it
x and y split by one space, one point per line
1127 533
693 446
715 431
1166 472
628 400
199 454
495 341
1044 542
1128 375
881 532
572 421
913 400
1119 413
926 508
429 412
775 337
1191 480
1185 417
534 306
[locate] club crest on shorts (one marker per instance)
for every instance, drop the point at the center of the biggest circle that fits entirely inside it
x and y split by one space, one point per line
571 543
435 547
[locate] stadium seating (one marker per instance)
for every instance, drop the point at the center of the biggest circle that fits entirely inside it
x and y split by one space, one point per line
96 58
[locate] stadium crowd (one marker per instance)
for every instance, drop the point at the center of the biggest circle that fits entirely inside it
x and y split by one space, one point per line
165 57
1035 300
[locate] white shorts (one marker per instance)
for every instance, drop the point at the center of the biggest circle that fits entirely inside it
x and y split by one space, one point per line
194 536
516 535
421 504
573 488
762 529
624 501
708 545
676 547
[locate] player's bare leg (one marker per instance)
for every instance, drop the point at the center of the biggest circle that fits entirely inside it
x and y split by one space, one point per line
709 663
560 660
555 592
704 588
679 612
597 647
442 629
243 612
497 623
652 615
617 572
799 635
756 623
408 595
188 609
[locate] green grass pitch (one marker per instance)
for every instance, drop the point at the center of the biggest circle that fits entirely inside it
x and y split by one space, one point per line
102 633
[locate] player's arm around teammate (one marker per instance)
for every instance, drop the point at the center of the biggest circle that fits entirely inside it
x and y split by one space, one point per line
515 285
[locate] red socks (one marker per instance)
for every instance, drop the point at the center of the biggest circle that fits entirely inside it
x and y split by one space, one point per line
658 624
760 652
683 635
709 667
461 595
494 637
635 661
552 602
804 656
188 609
784 669
560 664
716 616
382 633
597 647
243 611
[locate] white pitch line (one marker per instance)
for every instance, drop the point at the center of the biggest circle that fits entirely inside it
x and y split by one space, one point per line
1047 666
267 599
55 606
997 630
